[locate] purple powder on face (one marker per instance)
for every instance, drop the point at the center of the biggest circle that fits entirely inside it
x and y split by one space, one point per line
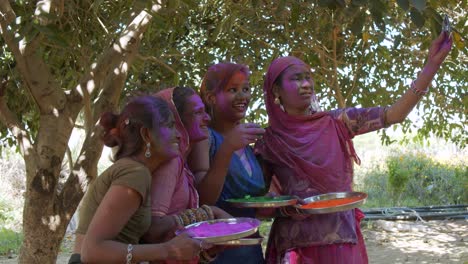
219 229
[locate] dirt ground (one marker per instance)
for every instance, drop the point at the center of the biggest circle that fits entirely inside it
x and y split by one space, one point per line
417 242
390 242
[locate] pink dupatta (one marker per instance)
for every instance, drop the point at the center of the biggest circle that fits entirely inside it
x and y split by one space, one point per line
184 146
309 155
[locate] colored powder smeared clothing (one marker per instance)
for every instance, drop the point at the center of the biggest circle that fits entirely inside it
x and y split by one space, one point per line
311 155
238 184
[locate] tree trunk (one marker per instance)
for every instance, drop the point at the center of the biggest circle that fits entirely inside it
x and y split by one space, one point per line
47 208
43 225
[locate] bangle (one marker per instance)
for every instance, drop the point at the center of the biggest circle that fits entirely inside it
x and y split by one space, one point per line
191 216
185 219
416 91
178 220
129 253
205 257
208 211
200 214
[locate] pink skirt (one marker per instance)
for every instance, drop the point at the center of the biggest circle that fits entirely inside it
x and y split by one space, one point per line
330 254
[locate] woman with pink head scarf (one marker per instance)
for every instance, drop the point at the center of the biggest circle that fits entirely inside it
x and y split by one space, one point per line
310 152
174 198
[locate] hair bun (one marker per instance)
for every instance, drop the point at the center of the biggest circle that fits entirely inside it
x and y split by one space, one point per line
111 133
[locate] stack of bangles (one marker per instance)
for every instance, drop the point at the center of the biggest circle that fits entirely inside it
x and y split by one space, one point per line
194 215
417 91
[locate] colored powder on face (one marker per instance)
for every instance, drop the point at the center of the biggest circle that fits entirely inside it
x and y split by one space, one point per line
262 199
330 203
219 229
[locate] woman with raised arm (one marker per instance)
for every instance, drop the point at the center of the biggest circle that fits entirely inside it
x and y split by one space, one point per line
116 209
311 153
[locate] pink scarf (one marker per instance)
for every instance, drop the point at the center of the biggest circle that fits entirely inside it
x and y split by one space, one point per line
311 145
310 155
184 144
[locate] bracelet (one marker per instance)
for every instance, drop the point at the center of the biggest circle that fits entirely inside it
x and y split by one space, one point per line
178 220
184 218
191 215
205 257
208 211
416 91
129 253
200 214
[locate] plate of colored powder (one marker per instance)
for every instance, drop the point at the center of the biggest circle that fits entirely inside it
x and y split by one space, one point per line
222 230
249 241
332 202
263 201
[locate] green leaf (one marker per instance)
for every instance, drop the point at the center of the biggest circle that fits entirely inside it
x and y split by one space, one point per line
254 3
397 42
403 4
359 2
326 3
454 55
417 18
378 20
295 13
341 3
420 5
280 8
358 23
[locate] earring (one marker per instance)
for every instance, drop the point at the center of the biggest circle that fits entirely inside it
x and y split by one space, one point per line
211 113
148 152
277 101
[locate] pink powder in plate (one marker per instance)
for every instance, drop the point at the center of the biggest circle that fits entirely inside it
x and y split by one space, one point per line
219 229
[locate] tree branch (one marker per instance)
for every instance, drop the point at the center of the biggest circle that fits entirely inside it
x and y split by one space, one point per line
335 84
109 73
38 79
162 63
15 127
93 81
355 78
44 8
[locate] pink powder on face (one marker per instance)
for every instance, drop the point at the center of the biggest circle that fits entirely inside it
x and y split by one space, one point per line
219 229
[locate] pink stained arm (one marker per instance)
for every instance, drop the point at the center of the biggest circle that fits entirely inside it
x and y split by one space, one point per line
162 190
438 51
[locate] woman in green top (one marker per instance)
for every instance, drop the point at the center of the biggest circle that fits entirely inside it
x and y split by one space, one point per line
116 210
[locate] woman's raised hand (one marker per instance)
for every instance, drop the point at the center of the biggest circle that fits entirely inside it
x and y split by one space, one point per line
439 49
243 135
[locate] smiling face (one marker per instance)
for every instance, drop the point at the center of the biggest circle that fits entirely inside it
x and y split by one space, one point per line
195 118
295 89
232 101
165 140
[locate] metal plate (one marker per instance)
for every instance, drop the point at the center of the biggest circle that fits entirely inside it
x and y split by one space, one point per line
277 201
330 196
224 237
242 242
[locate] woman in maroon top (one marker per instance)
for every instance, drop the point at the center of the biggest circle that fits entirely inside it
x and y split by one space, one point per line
310 152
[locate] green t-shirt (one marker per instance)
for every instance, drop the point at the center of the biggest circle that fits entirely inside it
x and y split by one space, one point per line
124 172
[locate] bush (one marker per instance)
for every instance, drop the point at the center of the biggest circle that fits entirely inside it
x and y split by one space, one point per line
10 241
414 179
